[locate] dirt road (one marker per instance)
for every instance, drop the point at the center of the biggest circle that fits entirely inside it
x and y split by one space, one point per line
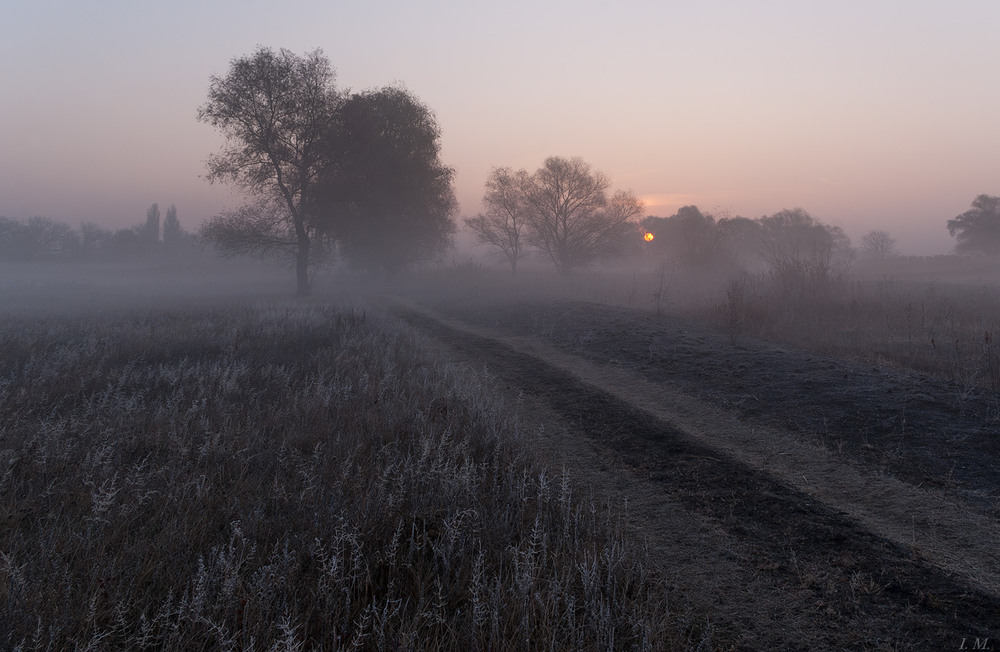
785 537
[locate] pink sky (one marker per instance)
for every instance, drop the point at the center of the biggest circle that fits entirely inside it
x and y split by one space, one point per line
867 114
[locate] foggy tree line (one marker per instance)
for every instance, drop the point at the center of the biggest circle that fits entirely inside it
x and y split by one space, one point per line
792 246
328 174
797 251
45 239
789 239
171 234
334 175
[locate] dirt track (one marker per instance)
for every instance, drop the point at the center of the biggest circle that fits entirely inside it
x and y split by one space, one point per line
786 539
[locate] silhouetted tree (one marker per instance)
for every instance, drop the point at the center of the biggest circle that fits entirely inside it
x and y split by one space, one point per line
173 234
8 233
127 243
977 230
803 255
38 238
744 239
701 238
152 229
502 225
93 239
276 111
878 244
690 236
387 198
570 217
259 228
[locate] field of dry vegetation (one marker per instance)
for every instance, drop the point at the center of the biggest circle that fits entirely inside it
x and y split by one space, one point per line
938 315
286 475
827 435
616 460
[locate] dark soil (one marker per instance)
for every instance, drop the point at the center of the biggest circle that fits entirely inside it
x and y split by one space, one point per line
920 429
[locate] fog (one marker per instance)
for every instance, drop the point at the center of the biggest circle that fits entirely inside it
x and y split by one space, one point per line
195 429
50 289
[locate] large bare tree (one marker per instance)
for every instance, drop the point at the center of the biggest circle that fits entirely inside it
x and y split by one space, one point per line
276 110
570 216
502 224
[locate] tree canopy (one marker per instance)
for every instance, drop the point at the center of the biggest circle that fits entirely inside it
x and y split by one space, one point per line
275 110
878 244
690 236
570 216
359 172
503 224
386 197
977 230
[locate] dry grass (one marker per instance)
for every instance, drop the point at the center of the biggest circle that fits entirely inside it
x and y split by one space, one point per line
290 477
947 331
938 316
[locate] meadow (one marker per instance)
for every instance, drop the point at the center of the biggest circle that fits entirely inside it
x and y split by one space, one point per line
938 315
819 460
195 459
279 474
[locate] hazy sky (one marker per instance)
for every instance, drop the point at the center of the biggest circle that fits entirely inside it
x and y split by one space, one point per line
868 114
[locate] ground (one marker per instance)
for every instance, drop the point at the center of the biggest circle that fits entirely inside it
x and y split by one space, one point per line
800 502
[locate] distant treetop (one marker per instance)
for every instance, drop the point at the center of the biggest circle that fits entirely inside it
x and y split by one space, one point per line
977 230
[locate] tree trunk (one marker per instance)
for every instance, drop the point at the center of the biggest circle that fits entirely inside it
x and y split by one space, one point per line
302 265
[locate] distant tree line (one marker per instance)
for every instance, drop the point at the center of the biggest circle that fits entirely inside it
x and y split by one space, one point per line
797 253
357 177
788 238
46 239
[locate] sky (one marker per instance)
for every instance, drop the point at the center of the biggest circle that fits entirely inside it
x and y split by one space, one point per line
880 114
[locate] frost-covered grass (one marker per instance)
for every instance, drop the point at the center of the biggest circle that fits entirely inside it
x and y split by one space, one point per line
287 476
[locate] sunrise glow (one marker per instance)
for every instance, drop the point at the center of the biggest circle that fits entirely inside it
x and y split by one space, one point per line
102 117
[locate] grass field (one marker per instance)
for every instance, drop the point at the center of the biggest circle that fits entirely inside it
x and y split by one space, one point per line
287 475
185 465
939 316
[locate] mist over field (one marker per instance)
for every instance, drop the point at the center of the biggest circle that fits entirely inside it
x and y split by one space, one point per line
454 457
441 326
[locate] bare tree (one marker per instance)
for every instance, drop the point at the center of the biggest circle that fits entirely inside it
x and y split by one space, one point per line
502 225
260 228
878 244
570 217
275 110
804 256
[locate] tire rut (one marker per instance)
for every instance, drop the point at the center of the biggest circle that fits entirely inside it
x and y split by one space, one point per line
797 573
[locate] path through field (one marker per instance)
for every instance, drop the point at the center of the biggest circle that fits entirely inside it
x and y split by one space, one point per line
785 537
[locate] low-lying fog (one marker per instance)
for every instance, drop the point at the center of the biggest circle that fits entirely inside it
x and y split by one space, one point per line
643 281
